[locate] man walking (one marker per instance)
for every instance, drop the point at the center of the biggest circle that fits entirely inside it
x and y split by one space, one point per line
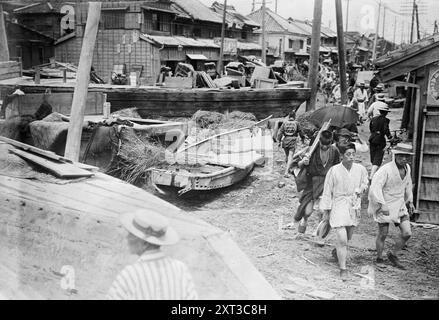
360 95
341 201
373 111
287 138
154 276
324 157
391 201
379 130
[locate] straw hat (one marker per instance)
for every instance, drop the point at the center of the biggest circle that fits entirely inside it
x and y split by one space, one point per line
403 148
323 229
383 107
150 226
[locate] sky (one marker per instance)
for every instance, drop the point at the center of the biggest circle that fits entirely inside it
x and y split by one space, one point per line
362 14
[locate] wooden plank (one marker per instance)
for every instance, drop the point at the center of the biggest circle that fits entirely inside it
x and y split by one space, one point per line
47 154
60 169
73 143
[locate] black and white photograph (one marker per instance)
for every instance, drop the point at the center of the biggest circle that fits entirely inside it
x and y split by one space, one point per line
242 152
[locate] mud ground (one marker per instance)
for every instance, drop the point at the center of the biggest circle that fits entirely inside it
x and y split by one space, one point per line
300 267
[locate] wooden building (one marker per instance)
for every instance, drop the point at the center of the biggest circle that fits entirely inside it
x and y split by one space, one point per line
419 63
139 35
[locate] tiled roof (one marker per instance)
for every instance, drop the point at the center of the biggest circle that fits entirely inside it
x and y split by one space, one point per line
276 23
233 17
408 52
183 41
198 11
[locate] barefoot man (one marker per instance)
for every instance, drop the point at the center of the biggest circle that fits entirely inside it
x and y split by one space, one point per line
341 201
391 201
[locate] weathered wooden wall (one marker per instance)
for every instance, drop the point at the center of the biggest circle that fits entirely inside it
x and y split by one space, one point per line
9 69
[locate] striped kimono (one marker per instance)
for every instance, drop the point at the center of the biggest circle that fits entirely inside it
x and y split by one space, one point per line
154 277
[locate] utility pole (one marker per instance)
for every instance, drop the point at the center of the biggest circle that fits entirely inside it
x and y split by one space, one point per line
417 23
341 52
384 20
223 31
413 22
394 34
347 15
314 56
275 6
74 133
374 52
4 50
264 45
253 5
436 29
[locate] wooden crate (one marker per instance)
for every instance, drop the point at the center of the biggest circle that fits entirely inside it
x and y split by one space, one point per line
265 83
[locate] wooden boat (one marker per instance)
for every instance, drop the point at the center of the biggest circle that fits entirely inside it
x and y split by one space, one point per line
210 164
152 101
62 240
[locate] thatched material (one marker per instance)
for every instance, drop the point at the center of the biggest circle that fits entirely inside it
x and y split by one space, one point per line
134 155
129 113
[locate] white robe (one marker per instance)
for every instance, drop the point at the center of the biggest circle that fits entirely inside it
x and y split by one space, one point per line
388 188
361 95
339 194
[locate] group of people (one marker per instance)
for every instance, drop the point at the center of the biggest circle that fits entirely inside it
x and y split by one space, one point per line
335 184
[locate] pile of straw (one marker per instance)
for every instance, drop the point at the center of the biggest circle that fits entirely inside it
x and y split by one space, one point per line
135 155
208 119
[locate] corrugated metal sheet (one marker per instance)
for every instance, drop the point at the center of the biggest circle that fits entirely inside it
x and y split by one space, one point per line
198 11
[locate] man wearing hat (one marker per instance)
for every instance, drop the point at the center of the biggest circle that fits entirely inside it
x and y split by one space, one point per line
343 137
154 276
379 130
372 111
360 95
323 158
341 200
391 201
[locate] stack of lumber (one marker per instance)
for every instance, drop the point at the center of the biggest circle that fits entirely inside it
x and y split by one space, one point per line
206 80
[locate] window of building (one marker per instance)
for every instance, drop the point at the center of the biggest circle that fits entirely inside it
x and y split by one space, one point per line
113 19
290 43
301 43
244 34
197 32
156 21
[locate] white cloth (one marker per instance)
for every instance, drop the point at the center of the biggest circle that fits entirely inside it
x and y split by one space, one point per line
361 95
388 188
373 109
342 194
154 277
361 147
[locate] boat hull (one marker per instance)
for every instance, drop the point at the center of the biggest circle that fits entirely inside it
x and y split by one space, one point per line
187 181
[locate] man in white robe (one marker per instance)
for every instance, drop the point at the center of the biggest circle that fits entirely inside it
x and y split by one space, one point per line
361 96
341 200
391 200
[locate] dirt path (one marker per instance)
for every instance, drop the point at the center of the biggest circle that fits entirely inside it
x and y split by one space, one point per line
253 210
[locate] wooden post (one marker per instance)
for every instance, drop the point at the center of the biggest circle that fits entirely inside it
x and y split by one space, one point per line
4 51
314 57
341 52
347 15
374 53
264 44
220 69
73 143
37 75
64 75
